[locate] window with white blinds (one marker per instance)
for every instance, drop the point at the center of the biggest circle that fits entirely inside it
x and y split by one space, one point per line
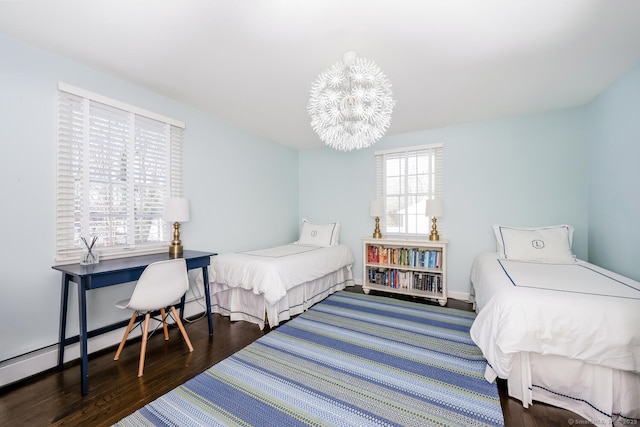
405 179
116 164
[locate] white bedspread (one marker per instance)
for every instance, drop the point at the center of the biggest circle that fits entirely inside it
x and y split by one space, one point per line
273 271
579 311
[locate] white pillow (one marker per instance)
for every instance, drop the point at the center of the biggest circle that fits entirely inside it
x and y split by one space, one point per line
541 244
319 234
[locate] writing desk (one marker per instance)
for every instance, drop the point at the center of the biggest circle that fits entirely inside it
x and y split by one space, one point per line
108 273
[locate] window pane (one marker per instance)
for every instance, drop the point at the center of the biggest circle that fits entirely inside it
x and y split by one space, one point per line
150 177
393 167
148 222
412 167
394 219
422 186
394 185
412 184
108 214
424 163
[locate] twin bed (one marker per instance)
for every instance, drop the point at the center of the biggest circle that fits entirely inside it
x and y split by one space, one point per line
560 330
272 285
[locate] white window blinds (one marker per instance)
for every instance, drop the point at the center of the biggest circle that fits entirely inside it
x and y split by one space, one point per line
405 179
116 164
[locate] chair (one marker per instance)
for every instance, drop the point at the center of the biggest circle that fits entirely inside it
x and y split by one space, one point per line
161 285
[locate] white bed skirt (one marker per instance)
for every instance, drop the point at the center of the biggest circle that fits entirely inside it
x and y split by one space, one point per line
599 394
241 304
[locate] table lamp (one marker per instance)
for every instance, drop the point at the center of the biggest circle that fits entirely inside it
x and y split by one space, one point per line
376 210
435 208
176 210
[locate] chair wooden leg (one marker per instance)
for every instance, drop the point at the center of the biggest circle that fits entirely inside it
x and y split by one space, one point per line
126 335
164 324
143 350
184 332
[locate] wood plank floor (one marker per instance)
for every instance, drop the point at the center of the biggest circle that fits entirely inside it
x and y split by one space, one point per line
115 391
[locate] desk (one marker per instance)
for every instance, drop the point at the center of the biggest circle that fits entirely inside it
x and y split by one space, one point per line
108 273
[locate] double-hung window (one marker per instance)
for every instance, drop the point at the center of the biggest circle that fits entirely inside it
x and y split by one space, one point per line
116 165
405 179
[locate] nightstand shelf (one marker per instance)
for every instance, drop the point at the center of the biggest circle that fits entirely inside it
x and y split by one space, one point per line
406 267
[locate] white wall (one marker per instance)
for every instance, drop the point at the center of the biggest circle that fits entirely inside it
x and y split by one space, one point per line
613 129
525 171
243 192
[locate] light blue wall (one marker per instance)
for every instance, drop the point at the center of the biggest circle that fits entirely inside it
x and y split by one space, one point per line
613 129
243 190
524 171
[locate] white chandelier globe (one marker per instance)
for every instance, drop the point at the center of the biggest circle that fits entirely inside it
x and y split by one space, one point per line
351 104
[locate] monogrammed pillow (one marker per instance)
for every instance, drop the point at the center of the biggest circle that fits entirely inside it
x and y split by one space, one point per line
541 244
319 234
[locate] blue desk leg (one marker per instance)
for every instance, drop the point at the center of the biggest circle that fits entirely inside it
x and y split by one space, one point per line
207 296
84 357
63 320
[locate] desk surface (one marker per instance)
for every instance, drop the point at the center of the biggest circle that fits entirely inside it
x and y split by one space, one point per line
125 263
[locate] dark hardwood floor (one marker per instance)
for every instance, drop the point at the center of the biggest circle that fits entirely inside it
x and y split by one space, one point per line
115 391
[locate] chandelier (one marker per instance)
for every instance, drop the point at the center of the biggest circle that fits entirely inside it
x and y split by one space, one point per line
351 103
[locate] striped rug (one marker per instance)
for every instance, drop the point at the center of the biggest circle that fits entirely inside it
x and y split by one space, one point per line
351 360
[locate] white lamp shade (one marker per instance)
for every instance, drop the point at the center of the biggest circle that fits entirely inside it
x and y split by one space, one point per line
435 208
176 209
376 208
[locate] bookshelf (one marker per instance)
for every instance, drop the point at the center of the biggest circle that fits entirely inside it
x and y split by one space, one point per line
408 267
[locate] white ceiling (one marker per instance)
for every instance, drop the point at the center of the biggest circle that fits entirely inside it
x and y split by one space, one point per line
252 62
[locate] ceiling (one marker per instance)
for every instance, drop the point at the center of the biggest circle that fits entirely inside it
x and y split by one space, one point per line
251 62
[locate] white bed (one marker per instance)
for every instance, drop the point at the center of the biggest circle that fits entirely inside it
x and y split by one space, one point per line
566 333
279 282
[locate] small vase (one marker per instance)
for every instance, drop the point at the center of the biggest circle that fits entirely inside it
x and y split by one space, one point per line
89 257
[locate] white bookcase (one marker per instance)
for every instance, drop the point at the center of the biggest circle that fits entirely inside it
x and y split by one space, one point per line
407 267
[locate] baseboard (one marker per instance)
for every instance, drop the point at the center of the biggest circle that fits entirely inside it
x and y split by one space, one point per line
27 365
460 296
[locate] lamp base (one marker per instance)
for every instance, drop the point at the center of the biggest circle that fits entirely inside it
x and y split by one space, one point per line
175 250
376 233
434 230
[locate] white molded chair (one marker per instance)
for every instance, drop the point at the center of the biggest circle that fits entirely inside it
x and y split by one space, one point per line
161 285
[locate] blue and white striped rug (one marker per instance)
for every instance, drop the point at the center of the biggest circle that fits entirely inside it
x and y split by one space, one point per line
351 360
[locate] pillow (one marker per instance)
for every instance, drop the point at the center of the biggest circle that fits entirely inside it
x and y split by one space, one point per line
541 244
319 234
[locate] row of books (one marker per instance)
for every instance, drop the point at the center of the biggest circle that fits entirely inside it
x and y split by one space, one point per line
410 280
411 257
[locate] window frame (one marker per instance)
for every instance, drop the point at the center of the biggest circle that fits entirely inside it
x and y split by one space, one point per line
147 132
407 190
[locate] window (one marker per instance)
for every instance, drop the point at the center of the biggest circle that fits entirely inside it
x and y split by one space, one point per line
116 164
405 179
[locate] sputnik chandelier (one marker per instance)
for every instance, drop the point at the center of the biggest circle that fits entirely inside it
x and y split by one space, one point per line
351 103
